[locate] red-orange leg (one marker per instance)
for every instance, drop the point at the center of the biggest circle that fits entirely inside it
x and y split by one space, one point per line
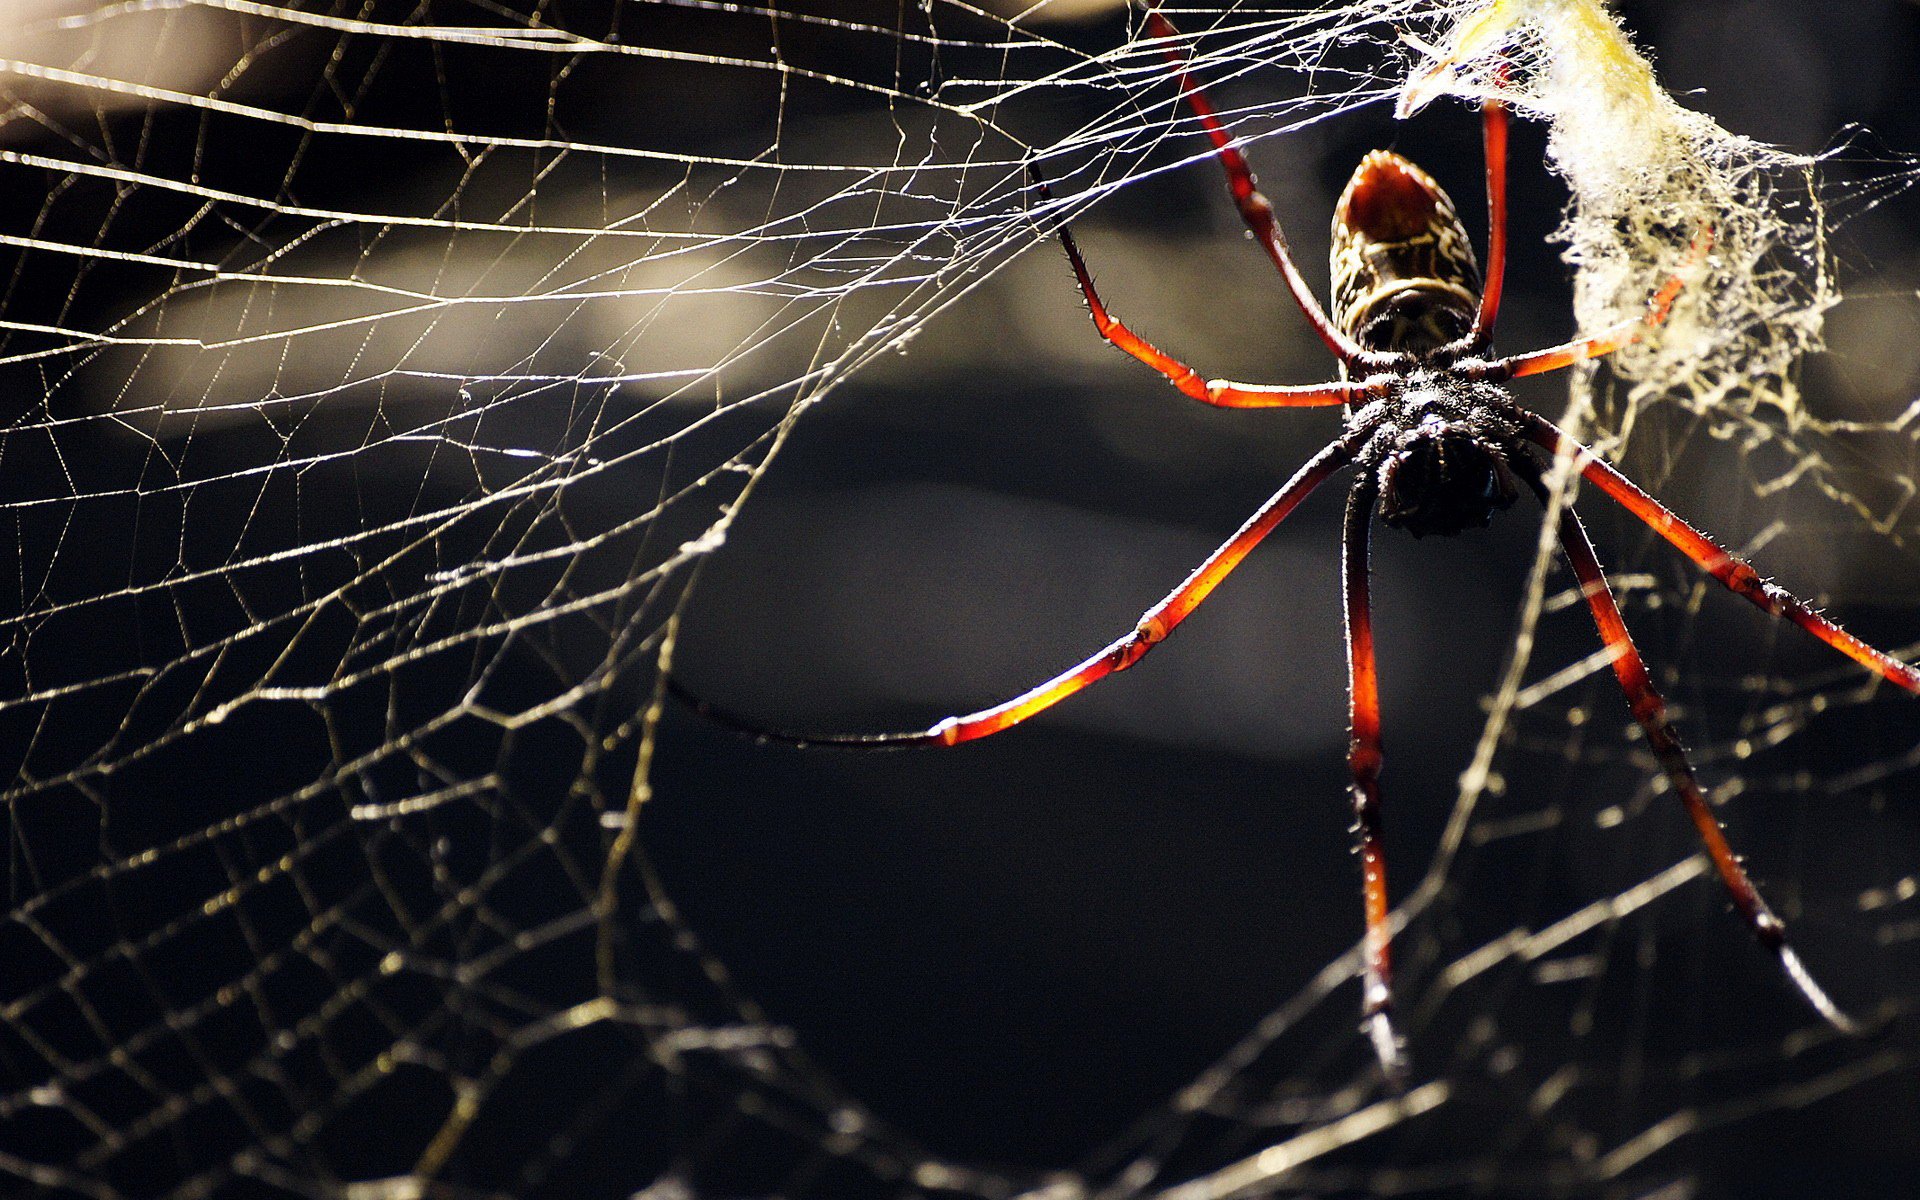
1364 756
1255 209
1650 711
1223 393
1735 574
1553 358
1152 628
1493 120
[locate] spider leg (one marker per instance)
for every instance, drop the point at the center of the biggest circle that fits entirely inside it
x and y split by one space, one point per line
1553 358
1152 628
1736 575
1255 209
1223 393
1364 757
1493 120
1650 711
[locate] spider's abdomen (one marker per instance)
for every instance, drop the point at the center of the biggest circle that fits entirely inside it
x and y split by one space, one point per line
1404 273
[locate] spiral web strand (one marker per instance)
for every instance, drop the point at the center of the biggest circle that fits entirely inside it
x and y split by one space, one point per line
383 375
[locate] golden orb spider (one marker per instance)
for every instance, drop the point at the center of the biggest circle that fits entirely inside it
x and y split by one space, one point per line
1438 444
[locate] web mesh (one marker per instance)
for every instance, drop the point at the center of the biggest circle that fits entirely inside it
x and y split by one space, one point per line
383 375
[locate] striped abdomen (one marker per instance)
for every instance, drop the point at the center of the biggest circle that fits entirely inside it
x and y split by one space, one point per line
1404 273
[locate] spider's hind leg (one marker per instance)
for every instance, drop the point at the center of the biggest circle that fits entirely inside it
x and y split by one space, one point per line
1734 574
1364 756
1650 711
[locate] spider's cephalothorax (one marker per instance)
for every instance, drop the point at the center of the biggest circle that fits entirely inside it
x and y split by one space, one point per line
1441 451
1404 274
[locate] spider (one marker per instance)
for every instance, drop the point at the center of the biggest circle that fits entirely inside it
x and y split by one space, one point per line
1439 446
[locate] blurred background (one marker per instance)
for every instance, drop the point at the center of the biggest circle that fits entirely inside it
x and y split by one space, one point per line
390 383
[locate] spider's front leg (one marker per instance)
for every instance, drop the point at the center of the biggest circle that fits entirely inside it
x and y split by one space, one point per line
1650 710
1153 628
1493 135
1364 756
1255 209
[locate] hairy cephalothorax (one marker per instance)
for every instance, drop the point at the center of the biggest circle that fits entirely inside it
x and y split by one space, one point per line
1439 446
1439 449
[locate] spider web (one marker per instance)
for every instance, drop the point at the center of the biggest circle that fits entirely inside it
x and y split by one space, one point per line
383 376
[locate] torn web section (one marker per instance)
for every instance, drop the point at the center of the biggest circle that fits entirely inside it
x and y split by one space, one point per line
1659 191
